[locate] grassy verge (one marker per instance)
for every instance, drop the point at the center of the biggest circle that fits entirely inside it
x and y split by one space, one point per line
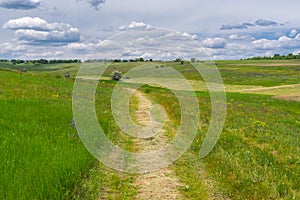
101 182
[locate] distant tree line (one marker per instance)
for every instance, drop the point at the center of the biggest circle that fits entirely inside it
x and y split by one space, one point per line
276 57
121 60
40 61
45 61
130 60
133 60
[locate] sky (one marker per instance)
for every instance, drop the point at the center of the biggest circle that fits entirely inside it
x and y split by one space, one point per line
229 29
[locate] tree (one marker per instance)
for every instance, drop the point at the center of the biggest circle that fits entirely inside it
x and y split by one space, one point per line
43 61
13 61
140 59
277 56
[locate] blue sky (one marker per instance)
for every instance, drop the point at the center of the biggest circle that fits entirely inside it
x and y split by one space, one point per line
228 29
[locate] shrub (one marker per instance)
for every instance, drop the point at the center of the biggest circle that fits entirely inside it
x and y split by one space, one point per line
116 76
67 75
23 70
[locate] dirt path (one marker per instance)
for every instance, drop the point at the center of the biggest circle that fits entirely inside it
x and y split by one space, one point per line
292 89
270 88
161 184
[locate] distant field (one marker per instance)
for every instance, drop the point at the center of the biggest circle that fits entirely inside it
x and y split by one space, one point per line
256 73
256 157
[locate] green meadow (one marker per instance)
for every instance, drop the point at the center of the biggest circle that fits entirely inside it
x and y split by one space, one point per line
256 157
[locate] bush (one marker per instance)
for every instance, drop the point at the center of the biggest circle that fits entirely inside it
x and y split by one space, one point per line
116 76
67 75
23 70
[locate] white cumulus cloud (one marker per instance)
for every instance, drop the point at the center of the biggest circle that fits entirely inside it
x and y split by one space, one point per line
265 44
282 42
136 25
214 43
37 30
192 37
35 23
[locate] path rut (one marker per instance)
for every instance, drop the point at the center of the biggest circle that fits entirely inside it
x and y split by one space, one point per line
160 184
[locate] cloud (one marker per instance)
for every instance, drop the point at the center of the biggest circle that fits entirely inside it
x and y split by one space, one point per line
248 24
108 45
293 33
135 25
146 41
240 37
80 46
96 4
264 44
297 52
10 48
45 54
35 23
181 36
232 26
283 42
214 43
39 37
122 28
55 12
22 51
20 4
192 37
245 25
37 30
153 43
138 25
263 22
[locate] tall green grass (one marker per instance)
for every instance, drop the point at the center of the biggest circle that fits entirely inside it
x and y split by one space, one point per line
41 155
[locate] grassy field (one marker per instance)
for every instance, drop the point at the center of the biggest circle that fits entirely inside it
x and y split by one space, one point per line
41 157
256 157
41 154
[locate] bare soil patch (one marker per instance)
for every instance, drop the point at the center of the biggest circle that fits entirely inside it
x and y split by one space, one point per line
271 64
289 97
